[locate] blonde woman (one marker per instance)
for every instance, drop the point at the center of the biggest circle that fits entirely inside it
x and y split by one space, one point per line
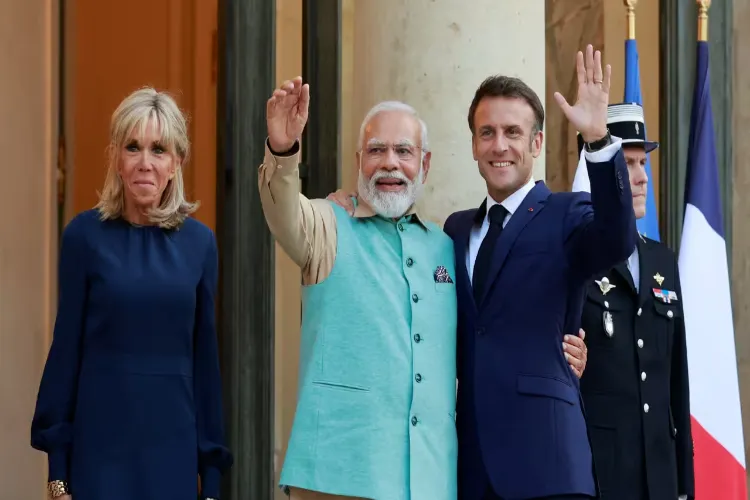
129 405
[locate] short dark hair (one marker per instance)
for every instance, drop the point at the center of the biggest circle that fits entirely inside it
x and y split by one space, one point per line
510 87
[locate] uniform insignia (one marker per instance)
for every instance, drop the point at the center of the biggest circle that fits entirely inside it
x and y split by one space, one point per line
609 324
636 128
659 278
666 296
604 285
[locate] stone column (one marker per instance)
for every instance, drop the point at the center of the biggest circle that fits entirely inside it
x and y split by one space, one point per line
246 317
740 254
433 54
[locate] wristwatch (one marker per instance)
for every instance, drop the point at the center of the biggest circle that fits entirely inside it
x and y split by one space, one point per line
605 141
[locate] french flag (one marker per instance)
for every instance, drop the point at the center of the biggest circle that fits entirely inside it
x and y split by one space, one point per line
714 390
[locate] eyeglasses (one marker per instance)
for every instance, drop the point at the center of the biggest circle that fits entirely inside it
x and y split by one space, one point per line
404 152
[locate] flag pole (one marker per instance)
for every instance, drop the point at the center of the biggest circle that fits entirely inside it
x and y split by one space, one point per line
631 4
703 6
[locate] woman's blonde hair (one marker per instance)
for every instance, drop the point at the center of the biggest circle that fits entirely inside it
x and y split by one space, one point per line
135 112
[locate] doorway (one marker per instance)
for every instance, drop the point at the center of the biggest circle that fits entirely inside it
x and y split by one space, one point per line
113 48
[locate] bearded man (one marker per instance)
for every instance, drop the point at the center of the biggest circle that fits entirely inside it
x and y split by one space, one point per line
377 391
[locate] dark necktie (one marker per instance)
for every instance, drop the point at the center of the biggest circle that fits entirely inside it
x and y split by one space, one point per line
486 249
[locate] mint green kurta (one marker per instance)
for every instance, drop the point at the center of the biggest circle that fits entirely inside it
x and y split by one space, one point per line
376 405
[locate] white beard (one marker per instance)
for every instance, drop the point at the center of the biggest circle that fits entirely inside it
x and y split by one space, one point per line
390 204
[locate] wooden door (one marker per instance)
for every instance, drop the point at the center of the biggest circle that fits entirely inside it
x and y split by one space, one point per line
114 48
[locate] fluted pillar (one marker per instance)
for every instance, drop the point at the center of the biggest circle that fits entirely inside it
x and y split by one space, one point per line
433 54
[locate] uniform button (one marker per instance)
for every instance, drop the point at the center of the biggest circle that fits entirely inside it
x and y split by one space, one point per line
401 227
415 298
417 338
643 376
409 262
670 314
414 420
640 343
645 408
418 378
606 304
640 310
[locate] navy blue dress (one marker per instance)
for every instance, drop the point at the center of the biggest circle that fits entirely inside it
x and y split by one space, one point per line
129 405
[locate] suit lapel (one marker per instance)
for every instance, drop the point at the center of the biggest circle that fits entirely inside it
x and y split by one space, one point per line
461 246
622 269
526 211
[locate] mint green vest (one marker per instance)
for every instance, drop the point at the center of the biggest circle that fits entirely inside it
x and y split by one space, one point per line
377 389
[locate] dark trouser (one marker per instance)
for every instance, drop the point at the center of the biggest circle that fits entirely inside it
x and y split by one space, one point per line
490 495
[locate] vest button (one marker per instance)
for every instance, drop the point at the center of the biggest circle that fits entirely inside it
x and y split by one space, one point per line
418 378
415 298
417 338
400 227
409 262
414 421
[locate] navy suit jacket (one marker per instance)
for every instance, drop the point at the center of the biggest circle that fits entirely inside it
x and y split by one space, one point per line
520 418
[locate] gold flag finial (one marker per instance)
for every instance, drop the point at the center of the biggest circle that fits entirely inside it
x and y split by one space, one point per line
703 6
630 4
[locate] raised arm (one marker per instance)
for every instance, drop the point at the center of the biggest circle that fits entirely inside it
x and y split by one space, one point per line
305 229
213 456
52 424
601 232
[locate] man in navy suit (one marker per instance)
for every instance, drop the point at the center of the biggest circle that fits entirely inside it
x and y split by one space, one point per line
523 259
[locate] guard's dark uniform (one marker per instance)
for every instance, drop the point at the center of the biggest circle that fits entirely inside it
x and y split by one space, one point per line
635 385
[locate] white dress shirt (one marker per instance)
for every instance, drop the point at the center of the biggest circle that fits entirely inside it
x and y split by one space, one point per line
634 268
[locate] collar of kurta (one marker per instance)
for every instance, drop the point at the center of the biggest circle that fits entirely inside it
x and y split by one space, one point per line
362 210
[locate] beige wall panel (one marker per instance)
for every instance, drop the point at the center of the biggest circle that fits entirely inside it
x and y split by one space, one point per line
28 242
287 297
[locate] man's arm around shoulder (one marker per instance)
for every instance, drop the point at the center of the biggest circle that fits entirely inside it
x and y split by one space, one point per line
601 232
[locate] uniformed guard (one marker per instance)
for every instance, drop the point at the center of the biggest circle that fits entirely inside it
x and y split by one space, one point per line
635 387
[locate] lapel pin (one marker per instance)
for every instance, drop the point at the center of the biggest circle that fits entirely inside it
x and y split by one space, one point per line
604 285
659 278
531 209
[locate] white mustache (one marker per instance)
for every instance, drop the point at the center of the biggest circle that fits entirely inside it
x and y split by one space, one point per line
382 174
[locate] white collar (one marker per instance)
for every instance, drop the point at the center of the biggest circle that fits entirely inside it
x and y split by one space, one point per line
512 202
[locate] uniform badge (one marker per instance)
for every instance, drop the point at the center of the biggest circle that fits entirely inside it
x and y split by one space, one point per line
604 285
666 296
659 279
609 324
